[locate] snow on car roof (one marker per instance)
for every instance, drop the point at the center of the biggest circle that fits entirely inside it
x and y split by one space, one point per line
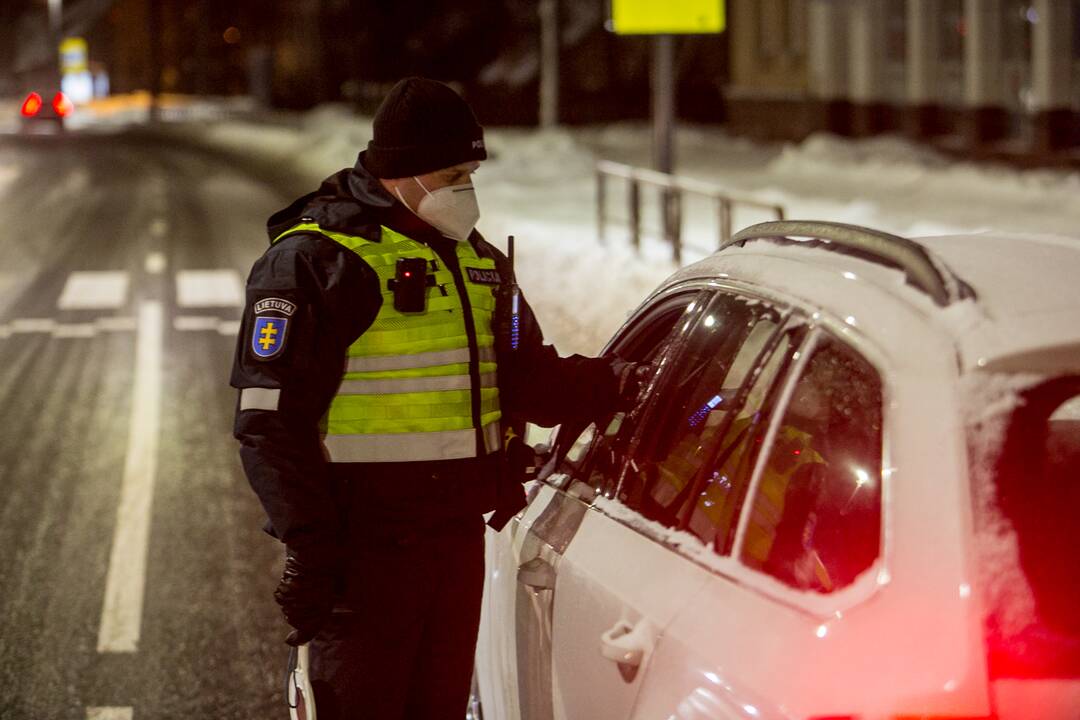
1026 316
1029 293
1014 275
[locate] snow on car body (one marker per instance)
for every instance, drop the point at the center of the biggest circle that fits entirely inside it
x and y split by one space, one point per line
749 600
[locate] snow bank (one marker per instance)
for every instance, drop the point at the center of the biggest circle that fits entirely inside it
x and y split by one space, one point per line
913 190
540 187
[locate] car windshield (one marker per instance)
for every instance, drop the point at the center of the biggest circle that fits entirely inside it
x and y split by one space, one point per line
1027 501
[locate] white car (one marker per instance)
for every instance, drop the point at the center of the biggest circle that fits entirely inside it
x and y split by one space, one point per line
849 491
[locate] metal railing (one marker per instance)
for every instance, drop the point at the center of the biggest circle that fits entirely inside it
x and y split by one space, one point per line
672 189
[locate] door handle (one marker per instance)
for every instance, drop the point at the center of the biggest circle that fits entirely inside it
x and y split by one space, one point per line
536 574
628 645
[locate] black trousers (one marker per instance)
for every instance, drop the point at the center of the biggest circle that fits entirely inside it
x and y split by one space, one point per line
404 648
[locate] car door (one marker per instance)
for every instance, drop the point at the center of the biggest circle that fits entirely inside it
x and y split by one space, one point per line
625 574
773 633
514 651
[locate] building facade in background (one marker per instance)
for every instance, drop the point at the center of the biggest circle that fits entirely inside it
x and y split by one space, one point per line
998 77
982 75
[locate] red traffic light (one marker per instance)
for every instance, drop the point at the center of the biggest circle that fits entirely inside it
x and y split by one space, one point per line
62 105
31 105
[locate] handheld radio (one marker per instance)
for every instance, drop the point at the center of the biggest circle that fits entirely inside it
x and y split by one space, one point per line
515 298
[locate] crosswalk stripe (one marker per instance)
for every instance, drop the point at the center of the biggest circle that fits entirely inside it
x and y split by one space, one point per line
75 330
209 288
195 322
48 326
94 290
203 323
110 713
33 325
229 328
116 324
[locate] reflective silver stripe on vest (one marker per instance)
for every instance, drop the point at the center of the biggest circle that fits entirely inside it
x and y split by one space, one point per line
259 398
388 386
416 360
409 447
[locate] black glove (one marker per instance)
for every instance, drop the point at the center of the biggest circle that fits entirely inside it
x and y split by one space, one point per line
306 597
633 378
520 459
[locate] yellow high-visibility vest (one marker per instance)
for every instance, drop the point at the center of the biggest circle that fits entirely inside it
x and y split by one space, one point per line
407 393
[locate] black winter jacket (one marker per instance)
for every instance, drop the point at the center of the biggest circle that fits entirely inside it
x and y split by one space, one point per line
319 508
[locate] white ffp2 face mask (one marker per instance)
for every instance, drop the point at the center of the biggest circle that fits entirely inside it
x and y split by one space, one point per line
451 210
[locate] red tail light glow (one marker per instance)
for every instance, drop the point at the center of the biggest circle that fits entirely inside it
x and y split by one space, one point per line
62 105
907 717
31 105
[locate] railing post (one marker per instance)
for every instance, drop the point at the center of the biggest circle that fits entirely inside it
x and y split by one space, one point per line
635 213
779 212
601 200
673 221
724 218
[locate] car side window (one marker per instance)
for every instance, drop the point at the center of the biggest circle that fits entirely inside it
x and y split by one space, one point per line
815 515
595 454
696 427
721 490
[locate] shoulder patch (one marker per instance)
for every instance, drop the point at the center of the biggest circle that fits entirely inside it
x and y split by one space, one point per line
484 277
274 304
268 336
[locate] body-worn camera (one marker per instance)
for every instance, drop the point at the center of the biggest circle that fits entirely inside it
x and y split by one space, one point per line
410 285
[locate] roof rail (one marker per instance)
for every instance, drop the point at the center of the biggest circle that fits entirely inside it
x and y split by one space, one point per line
923 271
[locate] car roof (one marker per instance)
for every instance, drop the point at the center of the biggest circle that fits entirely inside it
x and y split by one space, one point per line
1014 275
1028 289
1024 315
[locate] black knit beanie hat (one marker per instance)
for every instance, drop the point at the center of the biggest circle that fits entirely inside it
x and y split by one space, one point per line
421 126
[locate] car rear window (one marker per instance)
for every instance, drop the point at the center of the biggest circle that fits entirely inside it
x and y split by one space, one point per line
1027 510
815 522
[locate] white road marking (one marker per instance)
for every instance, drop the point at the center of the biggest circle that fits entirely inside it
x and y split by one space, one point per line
48 326
209 288
155 263
75 330
116 324
110 713
94 290
229 328
195 322
203 323
159 228
121 615
33 325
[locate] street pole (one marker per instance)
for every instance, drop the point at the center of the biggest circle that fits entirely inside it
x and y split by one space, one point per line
55 11
154 37
549 63
663 102
663 108
55 31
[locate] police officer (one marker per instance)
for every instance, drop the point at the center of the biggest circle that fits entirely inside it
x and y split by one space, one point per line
379 363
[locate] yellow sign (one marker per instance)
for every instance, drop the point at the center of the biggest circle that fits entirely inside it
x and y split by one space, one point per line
667 17
73 51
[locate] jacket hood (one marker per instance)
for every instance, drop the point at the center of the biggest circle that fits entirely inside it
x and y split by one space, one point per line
350 201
